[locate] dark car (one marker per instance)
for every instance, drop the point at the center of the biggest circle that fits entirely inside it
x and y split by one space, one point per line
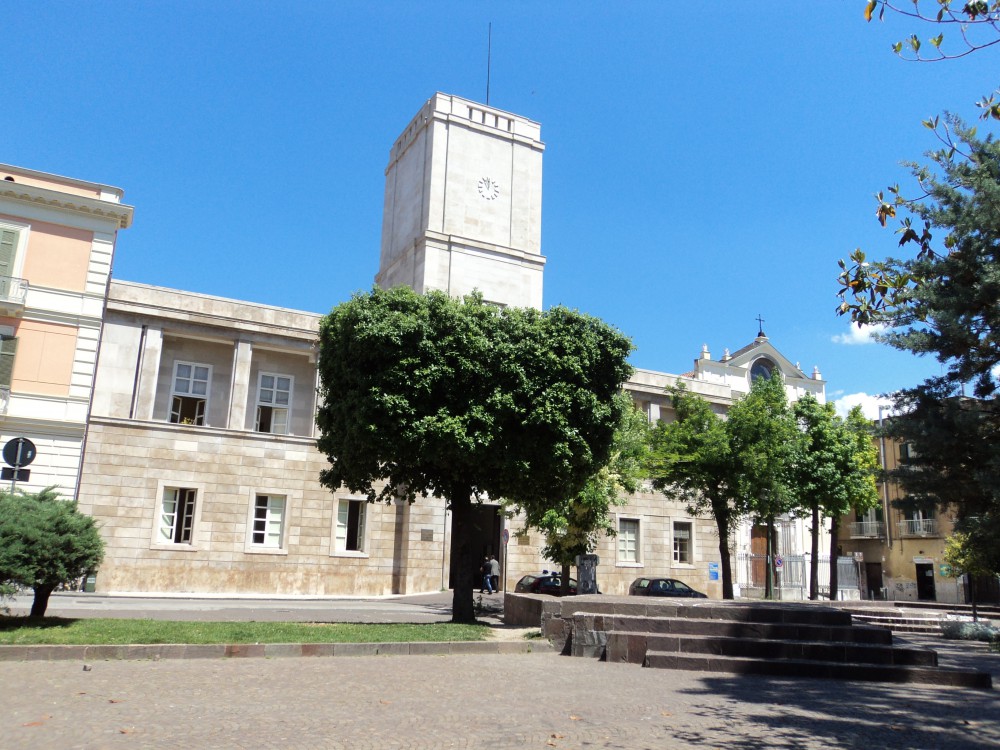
543 584
663 587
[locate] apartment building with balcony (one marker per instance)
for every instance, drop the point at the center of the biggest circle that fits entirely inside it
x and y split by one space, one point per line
901 551
57 242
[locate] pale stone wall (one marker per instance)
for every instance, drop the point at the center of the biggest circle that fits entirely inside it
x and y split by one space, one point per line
462 208
128 464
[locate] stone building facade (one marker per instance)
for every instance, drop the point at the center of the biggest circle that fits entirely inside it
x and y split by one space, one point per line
201 465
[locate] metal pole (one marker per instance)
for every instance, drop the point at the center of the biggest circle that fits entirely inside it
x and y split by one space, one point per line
17 465
885 482
489 58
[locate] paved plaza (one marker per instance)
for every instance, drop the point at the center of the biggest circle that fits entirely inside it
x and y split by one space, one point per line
538 700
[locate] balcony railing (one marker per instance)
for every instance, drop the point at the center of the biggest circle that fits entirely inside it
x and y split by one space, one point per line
918 527
867 530
13 291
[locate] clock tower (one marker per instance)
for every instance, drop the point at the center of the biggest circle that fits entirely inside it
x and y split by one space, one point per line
463 204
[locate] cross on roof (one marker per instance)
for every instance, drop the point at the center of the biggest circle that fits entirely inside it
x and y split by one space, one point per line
760 325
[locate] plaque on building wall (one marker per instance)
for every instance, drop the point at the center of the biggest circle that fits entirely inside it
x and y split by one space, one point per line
426 535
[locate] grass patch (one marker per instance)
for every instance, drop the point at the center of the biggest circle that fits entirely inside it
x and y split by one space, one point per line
26 631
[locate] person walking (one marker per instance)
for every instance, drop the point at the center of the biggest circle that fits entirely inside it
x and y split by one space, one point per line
495 572
487 584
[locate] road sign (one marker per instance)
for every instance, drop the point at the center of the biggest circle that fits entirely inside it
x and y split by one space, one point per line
506 536
9 473
713 571
19 452
778 562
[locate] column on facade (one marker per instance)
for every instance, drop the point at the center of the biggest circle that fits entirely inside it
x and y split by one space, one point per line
654 412
150 350
240 391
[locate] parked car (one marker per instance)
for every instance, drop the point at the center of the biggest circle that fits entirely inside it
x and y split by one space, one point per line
543 584
663 587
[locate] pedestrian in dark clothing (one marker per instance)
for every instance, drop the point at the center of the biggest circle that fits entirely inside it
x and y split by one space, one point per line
487 585
495 572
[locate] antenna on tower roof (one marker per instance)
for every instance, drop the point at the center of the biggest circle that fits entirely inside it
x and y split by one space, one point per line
489 56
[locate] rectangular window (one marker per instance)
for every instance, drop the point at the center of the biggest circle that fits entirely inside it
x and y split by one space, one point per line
268 521
8 251
274 399
189 393
8 349
351 526
628 540
682 542
177 515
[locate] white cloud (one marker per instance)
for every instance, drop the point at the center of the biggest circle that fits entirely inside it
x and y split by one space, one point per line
869 404
858 336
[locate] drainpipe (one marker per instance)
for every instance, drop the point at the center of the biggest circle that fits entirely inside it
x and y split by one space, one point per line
885 483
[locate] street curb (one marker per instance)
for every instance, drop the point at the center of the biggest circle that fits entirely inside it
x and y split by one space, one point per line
156 652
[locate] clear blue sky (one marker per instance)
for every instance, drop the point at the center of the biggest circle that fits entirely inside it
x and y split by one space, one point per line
705 163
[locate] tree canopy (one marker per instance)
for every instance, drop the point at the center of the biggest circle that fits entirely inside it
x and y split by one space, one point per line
45 541
463 400
834 473
573 526
730 469
944 300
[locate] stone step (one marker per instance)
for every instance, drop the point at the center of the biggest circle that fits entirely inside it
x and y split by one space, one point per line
828 670
633 647
928 625
731 628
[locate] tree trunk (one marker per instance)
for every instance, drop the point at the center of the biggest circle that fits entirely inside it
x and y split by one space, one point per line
463 562
972 595
564 580
41 601
722 521
769 583
834 531
814 555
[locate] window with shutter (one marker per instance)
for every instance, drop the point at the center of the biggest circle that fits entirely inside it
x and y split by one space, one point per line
8 348
8 247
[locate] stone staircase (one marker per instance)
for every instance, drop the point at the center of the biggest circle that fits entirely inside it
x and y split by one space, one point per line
779 639
900 621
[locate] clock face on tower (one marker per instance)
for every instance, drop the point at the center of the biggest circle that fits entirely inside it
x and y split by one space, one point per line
488 188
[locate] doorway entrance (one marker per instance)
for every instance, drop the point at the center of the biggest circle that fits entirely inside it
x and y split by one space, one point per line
925 582
873 580
484 540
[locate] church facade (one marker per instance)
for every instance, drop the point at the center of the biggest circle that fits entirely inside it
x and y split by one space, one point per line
201 465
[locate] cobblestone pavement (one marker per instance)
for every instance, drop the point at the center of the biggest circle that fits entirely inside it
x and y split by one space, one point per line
502 701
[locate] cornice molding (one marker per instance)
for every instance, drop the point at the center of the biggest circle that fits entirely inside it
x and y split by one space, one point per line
120 213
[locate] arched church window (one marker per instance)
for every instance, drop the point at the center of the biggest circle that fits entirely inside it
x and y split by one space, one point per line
762 368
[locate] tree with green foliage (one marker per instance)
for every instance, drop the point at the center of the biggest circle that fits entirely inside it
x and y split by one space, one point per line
953 463
729 469
765 438
944 301
44 542
691 459
574 526
834 473
463 400
974 552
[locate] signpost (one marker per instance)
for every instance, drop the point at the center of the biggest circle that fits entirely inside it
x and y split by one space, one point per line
18 452
505 535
